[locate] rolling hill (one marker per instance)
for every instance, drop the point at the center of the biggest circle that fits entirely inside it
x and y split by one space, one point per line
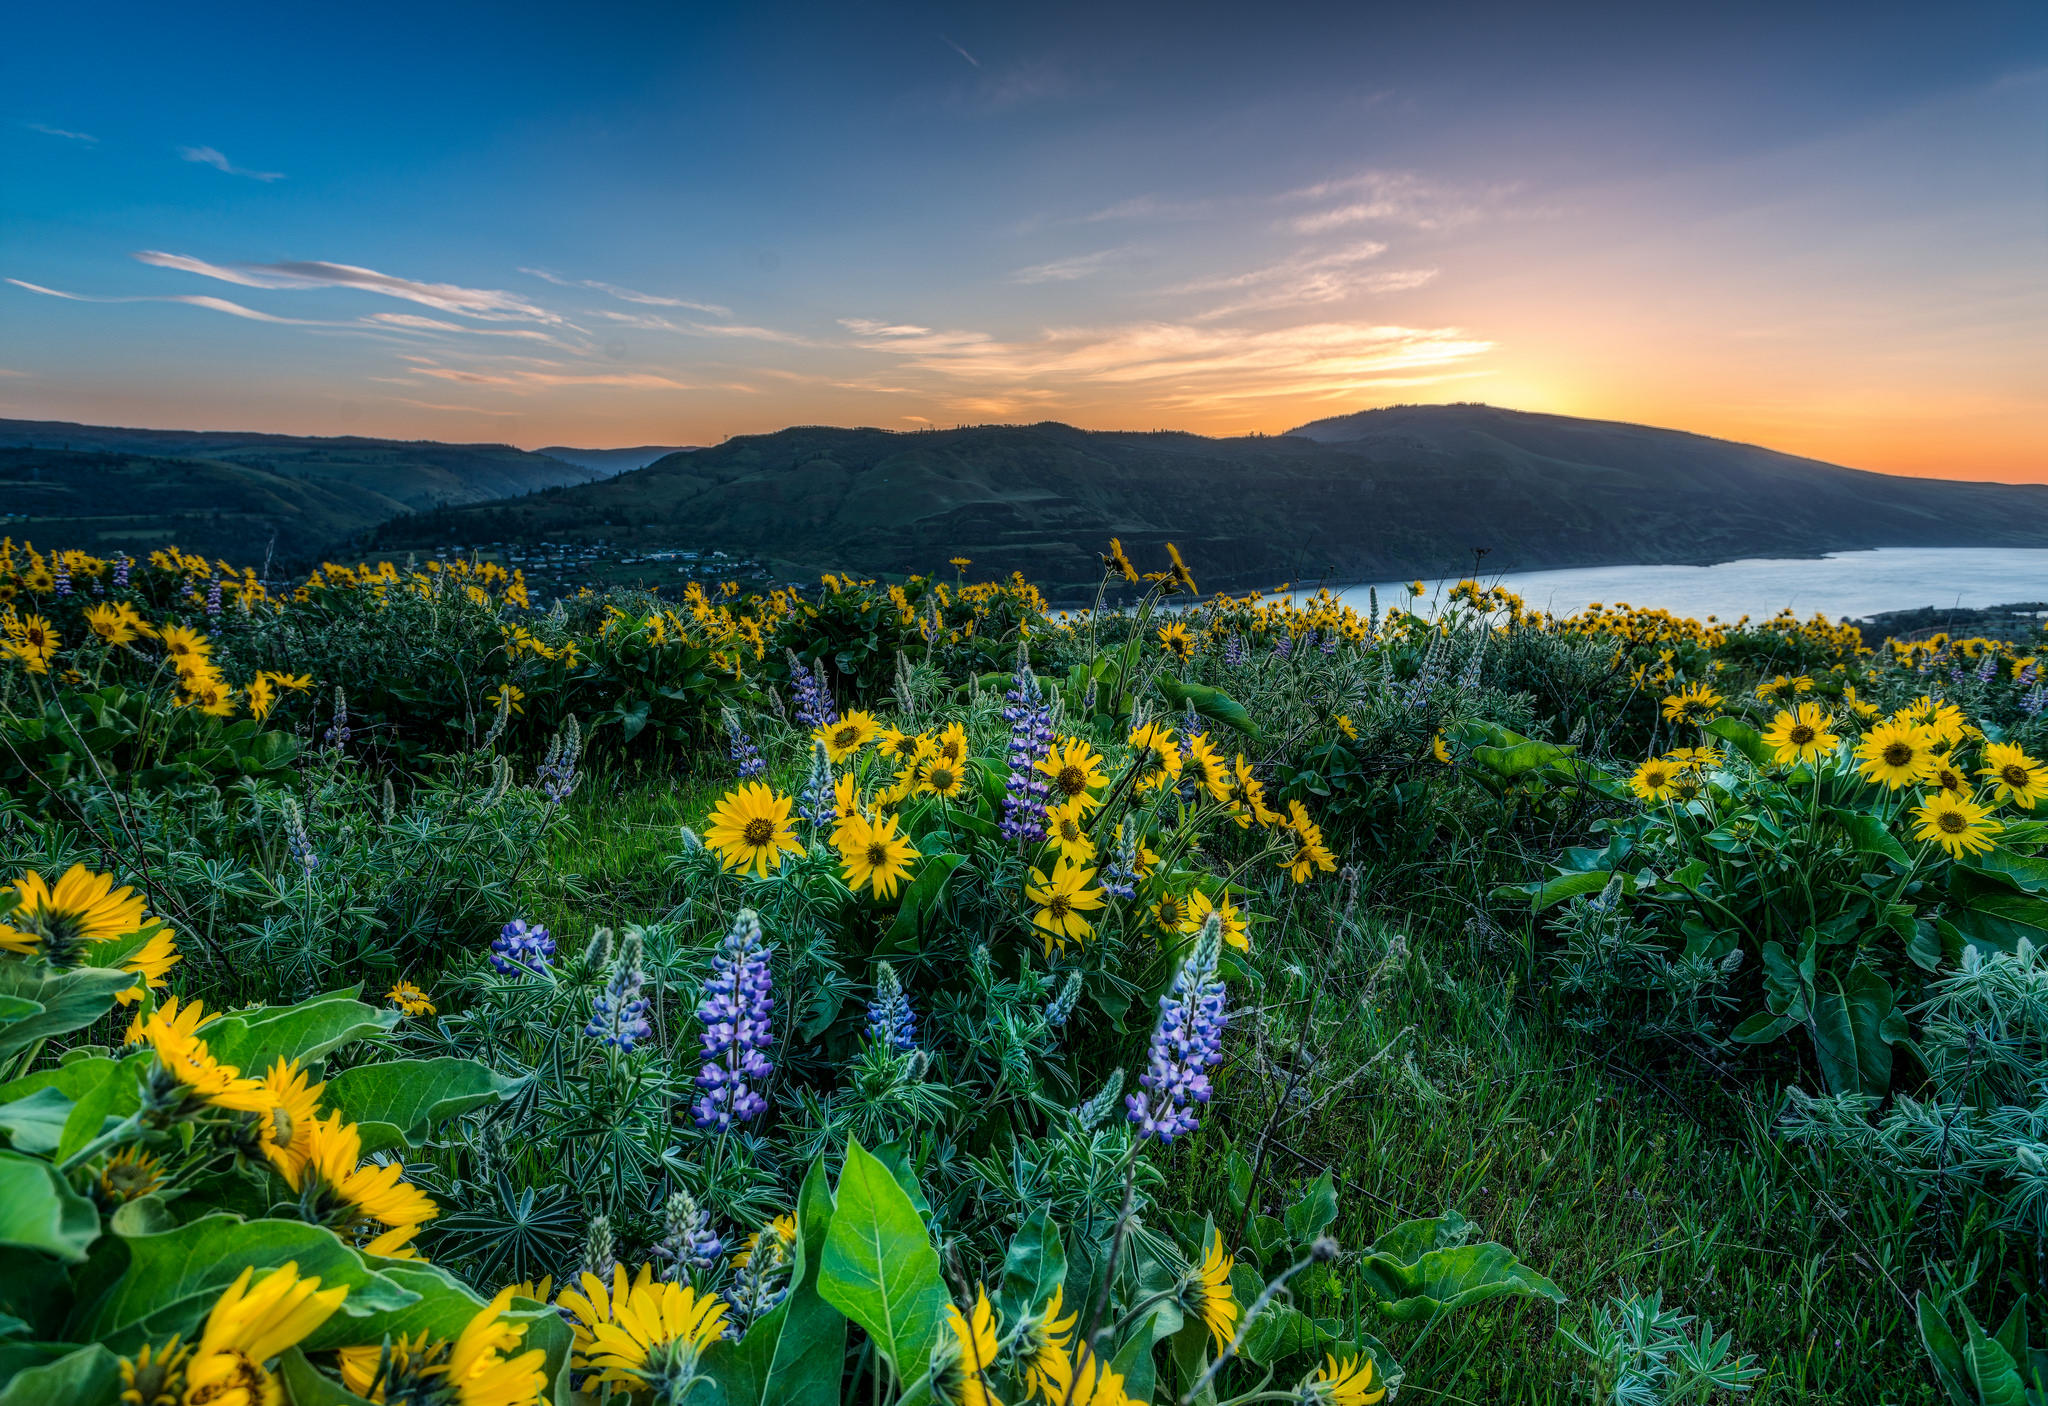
1407 491
614 461
228 493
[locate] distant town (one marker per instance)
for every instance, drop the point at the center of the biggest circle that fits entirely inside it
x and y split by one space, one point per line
560 569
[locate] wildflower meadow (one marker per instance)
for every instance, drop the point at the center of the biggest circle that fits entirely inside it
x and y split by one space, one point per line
913 993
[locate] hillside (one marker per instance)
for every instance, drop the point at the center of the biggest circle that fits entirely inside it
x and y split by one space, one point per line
411 473
1411 491
606 462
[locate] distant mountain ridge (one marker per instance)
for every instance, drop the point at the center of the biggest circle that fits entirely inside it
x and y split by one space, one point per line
614 461
1386 493
239 494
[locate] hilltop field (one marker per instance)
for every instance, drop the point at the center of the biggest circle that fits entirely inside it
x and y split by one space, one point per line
903 992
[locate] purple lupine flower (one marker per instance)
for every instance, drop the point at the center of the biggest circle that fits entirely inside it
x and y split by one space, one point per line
1988 670
818 803
1308 641
891 1021
1030 718
618 1014
523 947
1186 1044
60 569
1120 875
735 1014
688 1241
213 597
557 771
2034 700
1233 651
814 706
2027 677
1284 646
1061 1008
744 753
1329 644
122 566
338 734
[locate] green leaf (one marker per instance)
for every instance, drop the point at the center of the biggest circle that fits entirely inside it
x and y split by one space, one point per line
920 900
1314 1213
2025 872
40 1211
1446 1279
1520 759
1212 703
1992 1370
1854 1026
879 1266
1035 1265
413 1095
36 1123
173 1278
91 1376
1283 1331
64 1000
304 1386
793 1355
253 1040
1869 834
1747 739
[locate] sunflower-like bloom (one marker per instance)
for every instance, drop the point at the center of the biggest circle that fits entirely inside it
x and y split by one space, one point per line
1175 640
472 1370
1114 560
750 829
128 1174
1074 771
262 697
940 775
1350 1382
2015 776
874 853
183 1055
1042 1350
1158 756
1067 826
117 624
1208 1292
1206 769
1896 754
1947 775
1309 853
1800 735
1062 898
851 733
248 1328
410 999
1248 797
1956 823
1089 1382
646 1335
1653 780
1694 703
155 1375
186 649
1183 579
63 922
1944 720
286 1127
355 1197
1200 906
968 1355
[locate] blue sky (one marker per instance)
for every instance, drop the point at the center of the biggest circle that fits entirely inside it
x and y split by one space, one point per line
619 224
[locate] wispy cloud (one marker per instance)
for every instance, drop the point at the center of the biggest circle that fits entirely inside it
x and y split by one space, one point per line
1142 207
1179 366
196 300
484 304
654 322
961 52
869 327
47 130
545 380
211 156
629 295
1306 280
1395 197
1068 269
413 322
453 409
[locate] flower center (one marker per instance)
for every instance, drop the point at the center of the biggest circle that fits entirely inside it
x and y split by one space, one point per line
942 778
1058 907
1952 822
2016 776
1801 735
878 855
1898 754
846 737
758 832
1072 780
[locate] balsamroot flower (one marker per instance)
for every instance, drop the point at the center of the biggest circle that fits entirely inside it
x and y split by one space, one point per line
736 1012
1186 1044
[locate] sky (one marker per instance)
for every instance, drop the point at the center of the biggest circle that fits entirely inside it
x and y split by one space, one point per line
1822 228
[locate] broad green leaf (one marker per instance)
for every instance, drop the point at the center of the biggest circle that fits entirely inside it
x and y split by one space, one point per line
793 1355
413 1095
1281 1332
1212 703
91 1376
1314 1213
304 1386
2026 872
1035 1265
1747 739
36 1123
1992 1370
1520 759
1443 1280
65 1001
920 900
1869 834
40 1211
879 1266
173 1278
1854 1026
253 1040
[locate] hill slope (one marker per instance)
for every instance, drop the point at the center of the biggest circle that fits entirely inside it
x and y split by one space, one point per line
607 462
409 473
1413 493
